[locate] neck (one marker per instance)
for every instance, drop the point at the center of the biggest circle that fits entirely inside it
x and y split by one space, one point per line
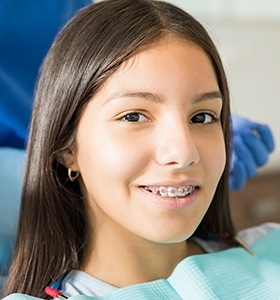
122 259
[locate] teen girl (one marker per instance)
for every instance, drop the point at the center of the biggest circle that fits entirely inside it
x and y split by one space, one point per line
127 169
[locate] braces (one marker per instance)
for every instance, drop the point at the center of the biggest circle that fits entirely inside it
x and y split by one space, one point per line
171 191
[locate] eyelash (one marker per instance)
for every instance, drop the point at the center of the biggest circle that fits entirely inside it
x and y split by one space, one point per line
135 113
125 118
214 118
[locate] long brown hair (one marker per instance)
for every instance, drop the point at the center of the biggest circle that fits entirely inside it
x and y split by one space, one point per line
53 227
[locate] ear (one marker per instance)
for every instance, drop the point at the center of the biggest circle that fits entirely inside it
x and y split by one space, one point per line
68 158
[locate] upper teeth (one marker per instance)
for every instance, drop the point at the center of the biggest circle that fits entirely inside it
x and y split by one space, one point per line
171 191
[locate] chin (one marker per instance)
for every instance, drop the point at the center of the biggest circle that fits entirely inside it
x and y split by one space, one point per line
172 238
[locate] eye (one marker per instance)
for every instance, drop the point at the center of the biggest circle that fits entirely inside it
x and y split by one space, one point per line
204 118
134 117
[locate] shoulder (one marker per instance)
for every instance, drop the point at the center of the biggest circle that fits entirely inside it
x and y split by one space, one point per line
80 283
249 236
19 297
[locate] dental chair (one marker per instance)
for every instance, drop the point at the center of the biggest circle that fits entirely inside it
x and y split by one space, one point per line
11 177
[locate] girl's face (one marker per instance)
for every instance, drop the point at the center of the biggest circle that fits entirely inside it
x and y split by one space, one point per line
150 147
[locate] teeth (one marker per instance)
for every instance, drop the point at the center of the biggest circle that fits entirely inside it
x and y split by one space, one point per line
154 189
182 191
171 192
163 191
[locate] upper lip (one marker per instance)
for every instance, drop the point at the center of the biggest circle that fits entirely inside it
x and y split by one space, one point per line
174 184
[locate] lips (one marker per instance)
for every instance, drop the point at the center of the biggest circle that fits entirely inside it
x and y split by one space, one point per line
171 197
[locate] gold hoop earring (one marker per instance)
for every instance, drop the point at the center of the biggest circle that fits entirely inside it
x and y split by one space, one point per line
73 175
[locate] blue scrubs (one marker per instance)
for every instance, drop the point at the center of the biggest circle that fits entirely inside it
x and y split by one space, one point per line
27 29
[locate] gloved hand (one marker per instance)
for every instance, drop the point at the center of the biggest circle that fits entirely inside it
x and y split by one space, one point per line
251 145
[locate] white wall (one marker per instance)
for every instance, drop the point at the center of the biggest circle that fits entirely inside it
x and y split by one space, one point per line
251 51
238 9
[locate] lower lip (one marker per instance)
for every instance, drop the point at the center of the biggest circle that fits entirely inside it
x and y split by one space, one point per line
171 203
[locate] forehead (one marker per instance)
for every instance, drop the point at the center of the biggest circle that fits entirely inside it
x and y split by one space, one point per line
171 61
170 45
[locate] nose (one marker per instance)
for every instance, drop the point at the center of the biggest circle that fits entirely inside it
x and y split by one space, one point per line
177 147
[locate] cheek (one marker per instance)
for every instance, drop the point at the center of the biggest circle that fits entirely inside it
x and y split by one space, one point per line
218 161
213 155
109 157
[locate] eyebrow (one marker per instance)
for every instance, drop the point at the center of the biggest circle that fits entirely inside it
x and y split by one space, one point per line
131 94
208 96
157 98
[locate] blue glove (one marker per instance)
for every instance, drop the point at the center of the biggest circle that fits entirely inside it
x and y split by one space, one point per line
251 145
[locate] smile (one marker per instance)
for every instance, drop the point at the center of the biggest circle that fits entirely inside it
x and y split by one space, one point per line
171 192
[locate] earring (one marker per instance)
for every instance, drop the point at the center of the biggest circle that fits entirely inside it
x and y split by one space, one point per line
73 175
